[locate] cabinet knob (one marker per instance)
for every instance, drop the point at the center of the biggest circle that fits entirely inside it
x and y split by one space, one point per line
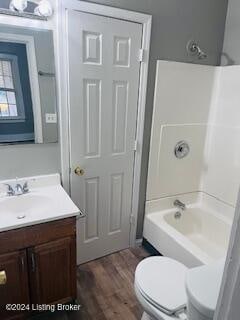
3 277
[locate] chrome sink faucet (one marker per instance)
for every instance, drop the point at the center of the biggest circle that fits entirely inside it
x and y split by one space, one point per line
18 189
10 190
179 204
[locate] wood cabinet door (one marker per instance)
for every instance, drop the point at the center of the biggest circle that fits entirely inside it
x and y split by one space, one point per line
15 291
53 271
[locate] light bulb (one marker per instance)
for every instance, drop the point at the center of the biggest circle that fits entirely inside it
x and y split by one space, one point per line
44 9
18 5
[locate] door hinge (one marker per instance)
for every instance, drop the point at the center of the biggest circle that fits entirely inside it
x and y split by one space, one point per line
132 219
135 145
141 55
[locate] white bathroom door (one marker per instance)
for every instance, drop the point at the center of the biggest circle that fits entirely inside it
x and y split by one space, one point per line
103 89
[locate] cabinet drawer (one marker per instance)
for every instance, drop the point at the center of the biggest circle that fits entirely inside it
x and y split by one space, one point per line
37 234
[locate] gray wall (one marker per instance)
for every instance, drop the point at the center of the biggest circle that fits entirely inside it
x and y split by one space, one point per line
231 47
28 160
174 23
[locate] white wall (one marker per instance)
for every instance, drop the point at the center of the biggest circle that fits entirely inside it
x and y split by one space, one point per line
221 171
198 104
183 96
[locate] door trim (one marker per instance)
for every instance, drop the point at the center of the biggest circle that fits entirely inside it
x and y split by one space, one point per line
62 67
229 293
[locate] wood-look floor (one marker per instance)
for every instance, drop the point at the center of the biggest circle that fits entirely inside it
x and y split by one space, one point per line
105 289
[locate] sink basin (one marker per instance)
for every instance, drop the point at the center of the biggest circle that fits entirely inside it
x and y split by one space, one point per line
46 201
24 204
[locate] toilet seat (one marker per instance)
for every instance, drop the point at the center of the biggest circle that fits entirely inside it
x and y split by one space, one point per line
151 311
161 281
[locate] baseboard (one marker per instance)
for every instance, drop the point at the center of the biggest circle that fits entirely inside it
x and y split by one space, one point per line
150 248
138 242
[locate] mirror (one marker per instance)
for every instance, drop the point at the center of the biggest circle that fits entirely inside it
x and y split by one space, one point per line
28 103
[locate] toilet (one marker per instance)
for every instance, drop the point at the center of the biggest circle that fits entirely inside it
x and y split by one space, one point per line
168 290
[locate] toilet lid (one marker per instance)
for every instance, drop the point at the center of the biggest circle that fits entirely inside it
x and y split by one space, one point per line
161 281
203 287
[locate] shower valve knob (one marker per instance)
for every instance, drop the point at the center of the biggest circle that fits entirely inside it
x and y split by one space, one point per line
181 149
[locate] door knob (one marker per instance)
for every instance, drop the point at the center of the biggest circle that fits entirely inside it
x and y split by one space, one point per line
3 277
78 171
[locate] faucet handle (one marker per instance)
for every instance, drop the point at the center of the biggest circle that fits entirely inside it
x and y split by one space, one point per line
10 191
25 187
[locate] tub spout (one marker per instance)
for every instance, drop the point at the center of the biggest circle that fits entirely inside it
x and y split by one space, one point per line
179 204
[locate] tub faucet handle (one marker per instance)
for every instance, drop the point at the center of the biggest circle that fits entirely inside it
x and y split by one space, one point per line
25 187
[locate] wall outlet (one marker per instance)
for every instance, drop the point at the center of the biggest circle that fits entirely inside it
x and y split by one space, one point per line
51 117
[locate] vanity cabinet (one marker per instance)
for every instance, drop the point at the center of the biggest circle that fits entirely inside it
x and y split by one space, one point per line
52 277
16 288
40 265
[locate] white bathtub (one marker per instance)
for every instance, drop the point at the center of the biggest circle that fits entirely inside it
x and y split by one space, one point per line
200 236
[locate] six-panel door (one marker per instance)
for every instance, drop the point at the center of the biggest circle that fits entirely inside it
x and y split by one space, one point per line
103 95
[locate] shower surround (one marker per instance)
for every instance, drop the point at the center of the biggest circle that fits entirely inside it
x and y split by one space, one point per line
197 104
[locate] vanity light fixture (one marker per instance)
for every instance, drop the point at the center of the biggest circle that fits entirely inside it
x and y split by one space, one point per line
44 9
18 5
38 9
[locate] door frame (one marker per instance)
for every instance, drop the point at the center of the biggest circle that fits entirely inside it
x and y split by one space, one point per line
62 68
228 300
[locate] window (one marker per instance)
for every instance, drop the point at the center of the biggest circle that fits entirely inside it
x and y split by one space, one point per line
16 112
11 103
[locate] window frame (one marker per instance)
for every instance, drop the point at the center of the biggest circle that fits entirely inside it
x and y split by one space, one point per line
28 40
17 90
